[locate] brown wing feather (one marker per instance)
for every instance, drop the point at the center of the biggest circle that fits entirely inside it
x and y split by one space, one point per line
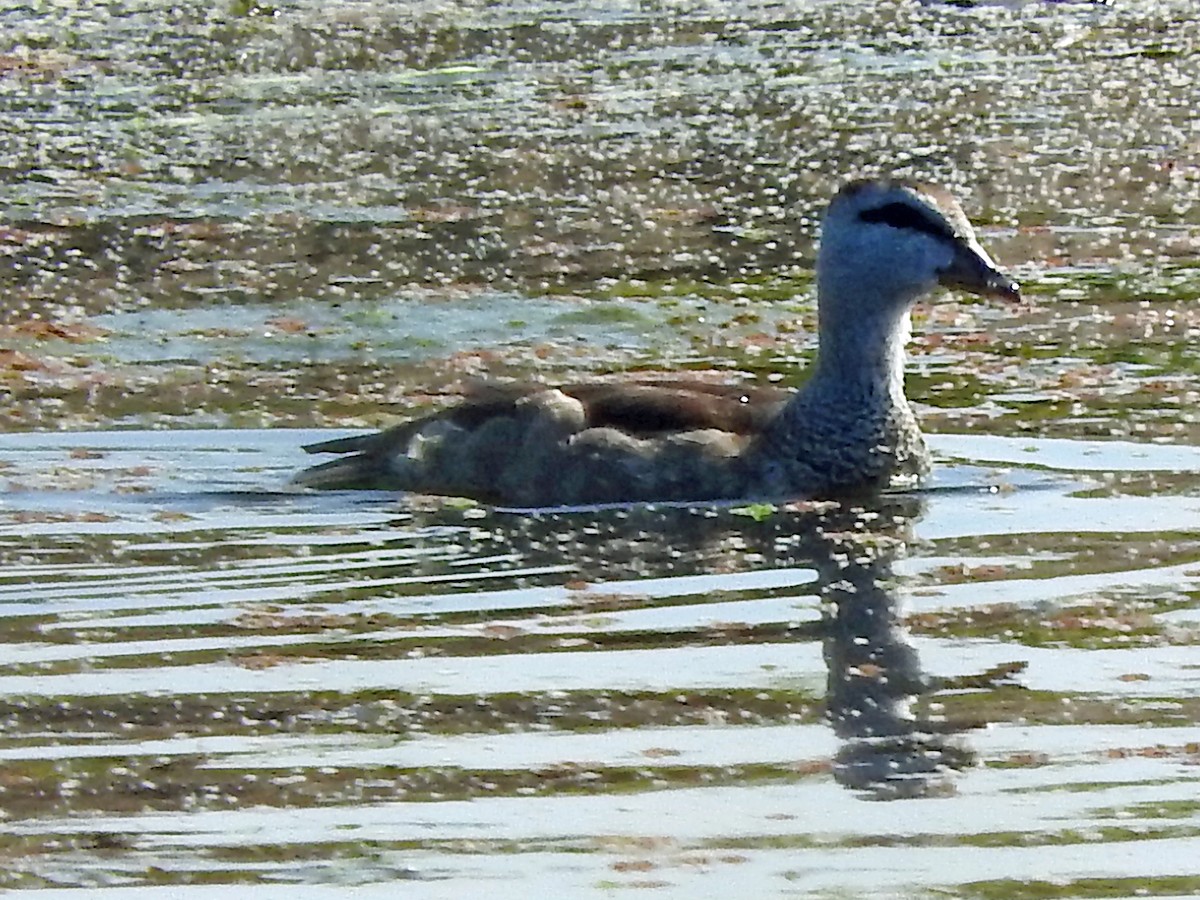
641 408
648 409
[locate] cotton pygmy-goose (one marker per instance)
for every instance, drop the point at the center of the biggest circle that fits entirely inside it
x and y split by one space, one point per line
848 430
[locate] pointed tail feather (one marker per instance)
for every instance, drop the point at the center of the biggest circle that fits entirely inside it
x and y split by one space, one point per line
348 473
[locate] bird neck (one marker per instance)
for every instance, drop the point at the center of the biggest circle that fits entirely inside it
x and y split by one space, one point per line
863 355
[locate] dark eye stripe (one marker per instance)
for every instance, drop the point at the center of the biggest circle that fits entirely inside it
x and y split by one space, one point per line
901 215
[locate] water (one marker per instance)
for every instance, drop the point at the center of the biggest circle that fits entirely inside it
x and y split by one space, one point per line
229 229
212 678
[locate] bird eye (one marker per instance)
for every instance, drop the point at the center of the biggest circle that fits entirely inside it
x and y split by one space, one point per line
901 215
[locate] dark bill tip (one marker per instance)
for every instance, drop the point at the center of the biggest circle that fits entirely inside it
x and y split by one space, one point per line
973 272
1005 288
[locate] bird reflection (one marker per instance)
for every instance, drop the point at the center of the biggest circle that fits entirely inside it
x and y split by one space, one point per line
891 746
875 680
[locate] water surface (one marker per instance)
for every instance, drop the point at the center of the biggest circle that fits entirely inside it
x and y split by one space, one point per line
229 229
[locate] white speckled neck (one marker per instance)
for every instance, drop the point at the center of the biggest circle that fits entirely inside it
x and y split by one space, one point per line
862 355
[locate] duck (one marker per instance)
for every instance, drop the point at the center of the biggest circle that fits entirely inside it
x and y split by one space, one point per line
847 431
